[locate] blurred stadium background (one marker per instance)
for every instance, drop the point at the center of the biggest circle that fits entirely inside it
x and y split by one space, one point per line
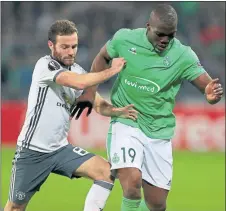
199 143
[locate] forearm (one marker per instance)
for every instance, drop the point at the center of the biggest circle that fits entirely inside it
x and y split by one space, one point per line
82 81
211 88
106 109
103 107
202 81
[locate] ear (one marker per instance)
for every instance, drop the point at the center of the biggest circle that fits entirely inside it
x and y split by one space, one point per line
148 26
50 44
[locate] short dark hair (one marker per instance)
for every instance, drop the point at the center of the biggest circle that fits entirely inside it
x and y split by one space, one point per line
61 27
166 13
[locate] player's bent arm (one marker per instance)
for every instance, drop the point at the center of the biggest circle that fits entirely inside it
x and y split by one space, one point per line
101 60
202 81
211 88
103 107
100 63
82 81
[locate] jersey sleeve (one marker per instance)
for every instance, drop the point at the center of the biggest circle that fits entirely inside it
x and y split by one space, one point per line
113 44
46 71
193 66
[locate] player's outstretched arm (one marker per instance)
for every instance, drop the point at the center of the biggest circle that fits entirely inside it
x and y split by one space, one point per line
101 62
82 81
104 108
211 88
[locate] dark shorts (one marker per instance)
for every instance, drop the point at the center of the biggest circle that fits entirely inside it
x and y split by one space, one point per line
31 169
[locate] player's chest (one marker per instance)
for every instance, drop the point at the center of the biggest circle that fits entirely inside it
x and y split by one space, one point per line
141 58
146 65
67 95
146 72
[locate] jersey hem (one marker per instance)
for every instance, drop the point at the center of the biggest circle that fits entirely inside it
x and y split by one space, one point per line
157 184
43 151
135 125
121 166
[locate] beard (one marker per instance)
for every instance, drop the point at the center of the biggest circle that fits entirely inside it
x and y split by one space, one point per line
66 61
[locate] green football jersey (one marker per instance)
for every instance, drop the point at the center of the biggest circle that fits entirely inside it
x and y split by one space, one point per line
150 80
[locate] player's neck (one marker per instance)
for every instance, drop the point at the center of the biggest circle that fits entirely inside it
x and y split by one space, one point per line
149 39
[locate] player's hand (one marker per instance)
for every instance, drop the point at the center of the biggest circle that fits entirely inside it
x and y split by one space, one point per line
118 64
79 107
214 91
84 101
127 112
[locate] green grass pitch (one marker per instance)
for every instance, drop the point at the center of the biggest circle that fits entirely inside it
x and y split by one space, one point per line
198 185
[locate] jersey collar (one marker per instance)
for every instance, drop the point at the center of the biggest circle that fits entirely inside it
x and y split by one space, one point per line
64 66
146 41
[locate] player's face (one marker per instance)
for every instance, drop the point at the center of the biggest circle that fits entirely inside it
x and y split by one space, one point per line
65 49
160 35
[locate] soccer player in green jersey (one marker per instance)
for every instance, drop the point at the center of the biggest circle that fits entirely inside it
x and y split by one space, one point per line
140 152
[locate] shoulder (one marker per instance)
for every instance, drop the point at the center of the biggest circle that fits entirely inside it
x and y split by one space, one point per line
46 62
187 52
43 60
122 32
179 46
126 34
182 47
77 68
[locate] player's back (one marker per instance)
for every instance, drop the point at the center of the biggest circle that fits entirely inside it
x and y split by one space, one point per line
47 118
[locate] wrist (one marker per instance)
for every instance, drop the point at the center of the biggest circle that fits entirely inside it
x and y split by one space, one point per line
114 111
113 69
107 110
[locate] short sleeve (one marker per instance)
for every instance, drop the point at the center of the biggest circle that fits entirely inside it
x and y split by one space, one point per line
112 44
46 71
193 66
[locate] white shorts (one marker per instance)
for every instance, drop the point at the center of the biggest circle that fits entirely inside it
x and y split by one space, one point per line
130 147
